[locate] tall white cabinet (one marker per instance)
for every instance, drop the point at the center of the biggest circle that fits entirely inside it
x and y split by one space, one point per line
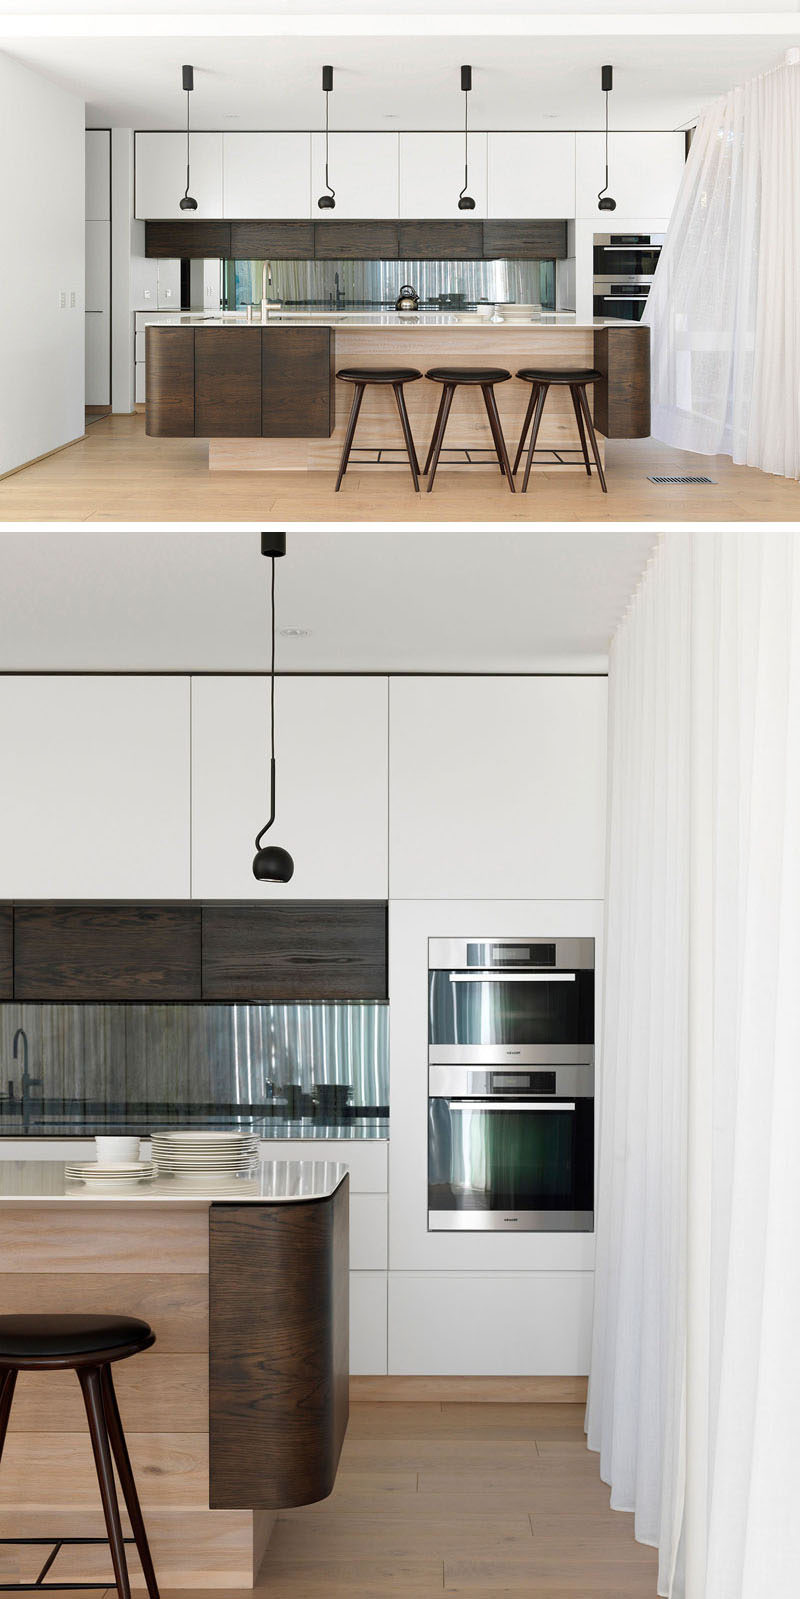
97 301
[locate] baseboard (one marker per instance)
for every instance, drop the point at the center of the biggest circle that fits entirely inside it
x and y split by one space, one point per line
23 466
472 1390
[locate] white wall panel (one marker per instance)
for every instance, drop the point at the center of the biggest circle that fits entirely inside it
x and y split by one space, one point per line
490 1325
98 175
531 175
266 174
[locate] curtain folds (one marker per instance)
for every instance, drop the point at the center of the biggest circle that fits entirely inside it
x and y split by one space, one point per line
724 308
694 1400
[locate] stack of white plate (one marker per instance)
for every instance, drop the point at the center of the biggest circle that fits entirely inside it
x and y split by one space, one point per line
201 1157
122 1174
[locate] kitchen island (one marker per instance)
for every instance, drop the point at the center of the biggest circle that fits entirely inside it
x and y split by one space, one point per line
265 395
240 1408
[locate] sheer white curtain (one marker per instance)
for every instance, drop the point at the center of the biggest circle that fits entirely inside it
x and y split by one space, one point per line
695 1393
724 308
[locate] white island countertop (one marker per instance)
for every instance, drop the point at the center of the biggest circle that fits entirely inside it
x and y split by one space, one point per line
383 320
272 1182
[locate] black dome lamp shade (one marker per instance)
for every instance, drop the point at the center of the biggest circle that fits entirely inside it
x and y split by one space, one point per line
465 201
271 863
327 202
604 200
188 203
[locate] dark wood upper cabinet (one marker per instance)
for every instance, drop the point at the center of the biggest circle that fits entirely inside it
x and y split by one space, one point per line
227 383
169 383
188 240
297 383
276 241
102 953
300 949
455 240
525 241
6 952
363 241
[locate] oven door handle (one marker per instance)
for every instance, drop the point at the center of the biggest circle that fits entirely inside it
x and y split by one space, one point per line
512 977
507 1104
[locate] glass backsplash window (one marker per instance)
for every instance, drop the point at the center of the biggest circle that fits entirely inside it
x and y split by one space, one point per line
294 1070
375 284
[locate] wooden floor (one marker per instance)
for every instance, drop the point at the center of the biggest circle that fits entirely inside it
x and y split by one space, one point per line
479 1499
117 474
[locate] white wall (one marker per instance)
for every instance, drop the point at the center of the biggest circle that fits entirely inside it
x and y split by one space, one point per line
42 202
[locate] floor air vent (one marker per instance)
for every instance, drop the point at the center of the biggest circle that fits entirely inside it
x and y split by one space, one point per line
681 480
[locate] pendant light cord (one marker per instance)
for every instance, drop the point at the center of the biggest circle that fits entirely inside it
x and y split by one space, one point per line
604 189
186 191
466 144
268 824
331 191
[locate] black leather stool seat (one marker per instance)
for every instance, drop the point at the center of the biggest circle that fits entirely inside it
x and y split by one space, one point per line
543 374
41 1338
467 374
379 374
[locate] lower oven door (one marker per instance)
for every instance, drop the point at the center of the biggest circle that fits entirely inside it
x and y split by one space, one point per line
499 1165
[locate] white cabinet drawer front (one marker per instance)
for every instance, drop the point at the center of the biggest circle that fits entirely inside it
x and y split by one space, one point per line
266 174
645 171
471 1325
160 174
368 1323
368 1232
531 175
363 170
432 174
367 1162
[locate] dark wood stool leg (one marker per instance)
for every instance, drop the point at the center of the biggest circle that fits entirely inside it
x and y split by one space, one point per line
581 429
8 1382
537 422
351 428
497 432
592 436
125 1474
89 1378
436 447
435 434
410 451
526 424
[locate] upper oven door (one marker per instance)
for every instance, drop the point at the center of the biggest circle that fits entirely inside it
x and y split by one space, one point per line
522 1014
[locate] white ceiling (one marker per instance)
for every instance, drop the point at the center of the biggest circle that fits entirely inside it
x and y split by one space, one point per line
424 600
369 9
400 82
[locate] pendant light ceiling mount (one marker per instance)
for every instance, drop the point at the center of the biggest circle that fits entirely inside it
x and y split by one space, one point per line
327 202
604 200
188 203
272 864
465 200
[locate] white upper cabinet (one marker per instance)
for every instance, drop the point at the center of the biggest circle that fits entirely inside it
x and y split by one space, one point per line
363 170
266 174
98 175
160 174
432 174
497 787
644 174
94 790
332 735
531 174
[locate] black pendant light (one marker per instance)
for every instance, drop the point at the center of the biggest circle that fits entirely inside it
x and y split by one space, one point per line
604 200
465 201
327 202
272 864
188 203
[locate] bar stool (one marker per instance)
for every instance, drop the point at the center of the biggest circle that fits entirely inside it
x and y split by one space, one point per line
541 379
362 376
485 377
86 1345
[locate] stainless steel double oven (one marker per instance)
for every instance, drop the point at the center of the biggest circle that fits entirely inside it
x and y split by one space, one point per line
511 1085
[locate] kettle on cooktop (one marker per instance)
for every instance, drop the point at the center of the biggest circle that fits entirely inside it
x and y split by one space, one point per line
407 299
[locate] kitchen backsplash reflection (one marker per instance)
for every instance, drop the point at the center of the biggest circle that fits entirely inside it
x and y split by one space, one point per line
306 1070
376 283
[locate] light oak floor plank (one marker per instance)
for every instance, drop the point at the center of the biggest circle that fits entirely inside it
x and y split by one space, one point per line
116 473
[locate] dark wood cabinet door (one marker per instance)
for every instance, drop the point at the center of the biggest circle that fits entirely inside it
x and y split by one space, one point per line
441 241
525 241
169 383
301 949
296 383
188 241
107 952
275 241
622 394
361 241
227 383
6 952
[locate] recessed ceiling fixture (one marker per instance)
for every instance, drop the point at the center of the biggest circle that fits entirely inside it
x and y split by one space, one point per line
272 864
465 201
604 200
327 202
188 203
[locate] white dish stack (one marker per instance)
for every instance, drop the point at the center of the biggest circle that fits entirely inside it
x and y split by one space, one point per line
119 1174
202 1157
